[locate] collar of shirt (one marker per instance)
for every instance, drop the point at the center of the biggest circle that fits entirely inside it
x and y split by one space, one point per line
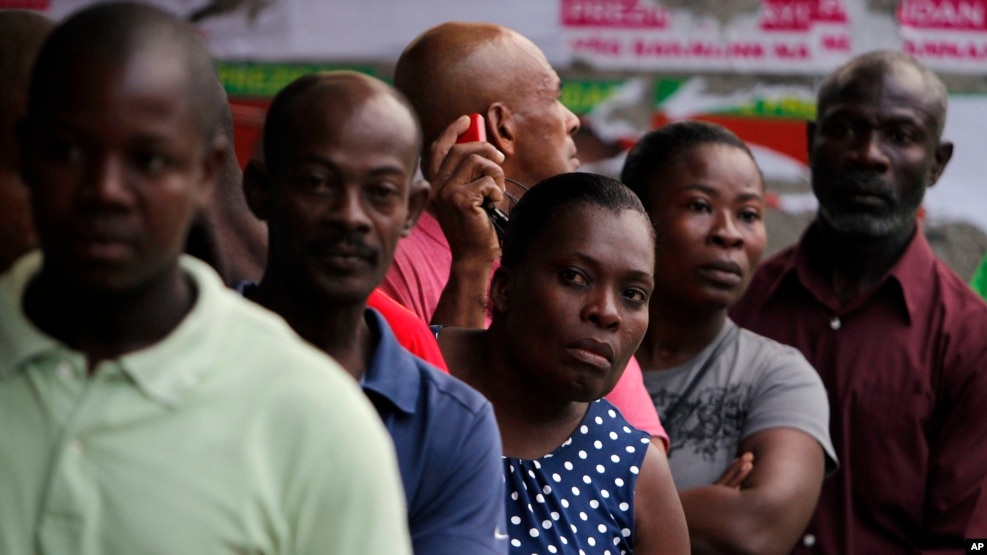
392 373
166 371
907 279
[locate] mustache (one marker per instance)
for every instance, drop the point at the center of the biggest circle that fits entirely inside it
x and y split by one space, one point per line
861 182
351 244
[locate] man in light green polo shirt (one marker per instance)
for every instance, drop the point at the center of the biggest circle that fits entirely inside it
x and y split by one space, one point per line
143 407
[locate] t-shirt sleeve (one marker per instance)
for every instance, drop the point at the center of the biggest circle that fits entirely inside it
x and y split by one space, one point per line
467 514
412 332
632 399
789 393
402 284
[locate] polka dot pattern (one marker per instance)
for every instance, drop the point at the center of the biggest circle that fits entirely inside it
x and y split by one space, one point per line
579 498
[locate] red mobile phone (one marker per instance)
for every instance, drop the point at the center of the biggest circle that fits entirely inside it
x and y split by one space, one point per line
477 131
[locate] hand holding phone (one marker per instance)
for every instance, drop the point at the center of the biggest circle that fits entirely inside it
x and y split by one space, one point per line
478 132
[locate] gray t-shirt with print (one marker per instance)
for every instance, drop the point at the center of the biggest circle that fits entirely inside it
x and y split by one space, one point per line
754 384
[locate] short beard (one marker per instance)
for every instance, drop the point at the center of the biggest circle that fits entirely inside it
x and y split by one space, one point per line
900 217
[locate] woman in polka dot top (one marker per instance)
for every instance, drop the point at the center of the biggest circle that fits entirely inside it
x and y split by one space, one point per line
569 306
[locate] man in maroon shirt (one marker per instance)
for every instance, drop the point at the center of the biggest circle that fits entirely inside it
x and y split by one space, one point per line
899 340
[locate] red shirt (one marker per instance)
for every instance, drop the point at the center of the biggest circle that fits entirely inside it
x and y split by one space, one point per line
905 367
411 331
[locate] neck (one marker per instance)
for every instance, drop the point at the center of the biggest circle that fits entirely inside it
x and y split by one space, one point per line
676 334
855 264
532 423
108 324
338 329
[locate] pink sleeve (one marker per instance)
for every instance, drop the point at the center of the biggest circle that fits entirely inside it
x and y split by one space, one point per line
633 401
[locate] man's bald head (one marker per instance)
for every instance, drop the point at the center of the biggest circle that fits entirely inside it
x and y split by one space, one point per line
110 34
460 68
305 97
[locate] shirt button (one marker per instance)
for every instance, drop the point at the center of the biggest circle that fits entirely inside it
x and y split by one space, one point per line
64 370
808 540
835 323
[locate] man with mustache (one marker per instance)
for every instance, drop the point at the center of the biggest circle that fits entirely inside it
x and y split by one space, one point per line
340 150
897 337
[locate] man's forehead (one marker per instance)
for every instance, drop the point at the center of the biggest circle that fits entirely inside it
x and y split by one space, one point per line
900 91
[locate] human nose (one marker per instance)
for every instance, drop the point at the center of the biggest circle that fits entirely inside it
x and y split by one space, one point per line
725 231
572 121
868 150
349 211
603 309
107 183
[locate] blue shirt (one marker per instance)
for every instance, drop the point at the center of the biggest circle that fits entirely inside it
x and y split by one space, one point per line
448 448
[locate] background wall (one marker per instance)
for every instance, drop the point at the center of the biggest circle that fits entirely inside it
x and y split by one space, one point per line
631 65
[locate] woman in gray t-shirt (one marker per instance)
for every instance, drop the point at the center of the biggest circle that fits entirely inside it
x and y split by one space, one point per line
747 417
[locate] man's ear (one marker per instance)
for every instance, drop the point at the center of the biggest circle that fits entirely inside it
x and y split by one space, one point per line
256 182
502 128
417 199
942 155
500 289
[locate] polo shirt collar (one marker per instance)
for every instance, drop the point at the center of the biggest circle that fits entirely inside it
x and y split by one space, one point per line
392 373
166 371
908 276
20 340
169 370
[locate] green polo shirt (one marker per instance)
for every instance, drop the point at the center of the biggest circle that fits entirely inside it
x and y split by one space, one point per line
231 435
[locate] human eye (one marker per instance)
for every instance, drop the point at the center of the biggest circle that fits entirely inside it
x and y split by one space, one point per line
698 205
749 215
838 128
313 183
59 149
902 135
383 193
573 276
151 162
636 295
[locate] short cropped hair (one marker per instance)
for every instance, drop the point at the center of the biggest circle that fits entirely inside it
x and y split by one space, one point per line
114 32
542 205
660 148
278 124
880 62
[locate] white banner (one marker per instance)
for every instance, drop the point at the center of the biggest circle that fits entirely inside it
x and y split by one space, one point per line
948 35
788 36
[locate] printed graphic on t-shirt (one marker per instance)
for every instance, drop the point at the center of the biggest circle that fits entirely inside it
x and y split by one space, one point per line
708 421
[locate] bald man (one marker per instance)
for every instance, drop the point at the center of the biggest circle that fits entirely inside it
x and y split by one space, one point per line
144 407
21 34
442 270
449 71
341 149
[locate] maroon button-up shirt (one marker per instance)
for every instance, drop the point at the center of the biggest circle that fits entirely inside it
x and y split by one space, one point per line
905 368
